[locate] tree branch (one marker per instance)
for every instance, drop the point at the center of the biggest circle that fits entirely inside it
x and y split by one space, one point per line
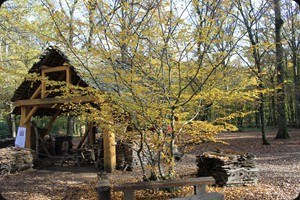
1 2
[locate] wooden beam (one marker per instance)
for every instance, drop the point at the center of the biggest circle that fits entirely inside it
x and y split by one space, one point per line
68 76
37 92
23 115
55 69
30 114
45 67
43 85
49 126
53 101
46 70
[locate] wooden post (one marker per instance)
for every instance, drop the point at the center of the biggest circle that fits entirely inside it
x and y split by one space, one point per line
25 122
199 189
103 187
103 190
109 144
129 194
68 75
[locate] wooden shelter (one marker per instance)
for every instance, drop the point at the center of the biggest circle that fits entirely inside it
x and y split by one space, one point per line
32 99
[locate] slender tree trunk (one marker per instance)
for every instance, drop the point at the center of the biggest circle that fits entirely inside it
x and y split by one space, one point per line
11 121
257 118
262 118
282 127
292 112
273 104
70 126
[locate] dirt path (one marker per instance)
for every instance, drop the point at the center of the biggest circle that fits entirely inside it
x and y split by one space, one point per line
279 166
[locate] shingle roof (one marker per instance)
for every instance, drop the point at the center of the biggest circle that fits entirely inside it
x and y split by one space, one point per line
52 57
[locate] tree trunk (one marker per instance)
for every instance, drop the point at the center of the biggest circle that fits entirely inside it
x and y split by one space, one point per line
273 104
291 112
262 118
1 2
70 126
282 127
297 89
11 121
257 118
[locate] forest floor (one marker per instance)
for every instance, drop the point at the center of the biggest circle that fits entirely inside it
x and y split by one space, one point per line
278 164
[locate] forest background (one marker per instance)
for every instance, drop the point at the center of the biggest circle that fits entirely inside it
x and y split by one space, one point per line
185 70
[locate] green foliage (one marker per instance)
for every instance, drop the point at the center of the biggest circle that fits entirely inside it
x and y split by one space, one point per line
4 131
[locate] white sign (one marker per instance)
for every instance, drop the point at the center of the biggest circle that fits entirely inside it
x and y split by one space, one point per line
21 137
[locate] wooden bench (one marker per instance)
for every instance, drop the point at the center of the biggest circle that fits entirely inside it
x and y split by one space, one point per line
129 188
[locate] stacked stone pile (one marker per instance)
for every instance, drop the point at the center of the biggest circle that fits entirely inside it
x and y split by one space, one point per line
13 159
228 168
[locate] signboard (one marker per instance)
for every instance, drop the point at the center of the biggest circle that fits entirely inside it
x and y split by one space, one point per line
21 137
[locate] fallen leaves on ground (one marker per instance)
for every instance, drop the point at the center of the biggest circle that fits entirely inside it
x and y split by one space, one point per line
279 166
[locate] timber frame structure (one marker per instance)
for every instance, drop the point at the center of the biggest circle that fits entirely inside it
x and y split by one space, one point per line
31 99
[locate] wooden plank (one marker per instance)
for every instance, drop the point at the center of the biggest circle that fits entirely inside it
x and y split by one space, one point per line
53 101
165 184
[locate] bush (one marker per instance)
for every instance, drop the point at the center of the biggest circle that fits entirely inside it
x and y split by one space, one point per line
4 131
